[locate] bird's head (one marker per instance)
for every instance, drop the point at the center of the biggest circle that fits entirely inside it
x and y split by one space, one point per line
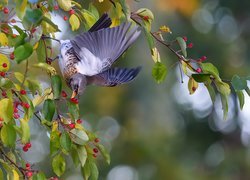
78 84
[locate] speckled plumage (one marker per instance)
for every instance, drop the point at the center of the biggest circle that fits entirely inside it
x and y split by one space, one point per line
87 58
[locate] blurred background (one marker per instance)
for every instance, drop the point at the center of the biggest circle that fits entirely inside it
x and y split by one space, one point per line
160 132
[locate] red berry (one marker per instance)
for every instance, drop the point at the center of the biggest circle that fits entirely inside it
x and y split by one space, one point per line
185 38
23 92
12 56
29 174
203 58
4 94
193 88
6 30
28 145
65 18
13 21
16 115
15 110
95 155
79 121
72 126
26 105
64 94
33 30
4 65
56 7
14 36
190 45
97 140
74 100
146 18
198 70
95 150
1 119
27 165
2 74
25 148
5 10
71 11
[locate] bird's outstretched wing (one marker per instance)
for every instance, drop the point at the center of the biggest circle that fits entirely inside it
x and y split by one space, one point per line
103 22
114 76
98 50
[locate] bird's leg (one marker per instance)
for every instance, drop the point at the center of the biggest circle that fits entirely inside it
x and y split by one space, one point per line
52 59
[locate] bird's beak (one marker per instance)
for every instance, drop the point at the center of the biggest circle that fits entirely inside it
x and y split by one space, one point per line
74 94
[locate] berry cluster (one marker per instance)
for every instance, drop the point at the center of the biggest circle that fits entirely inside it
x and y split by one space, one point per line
26 147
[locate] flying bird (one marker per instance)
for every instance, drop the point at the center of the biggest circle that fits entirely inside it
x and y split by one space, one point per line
88 58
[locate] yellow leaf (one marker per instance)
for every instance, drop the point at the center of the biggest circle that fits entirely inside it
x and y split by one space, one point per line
89 18
192 85
3 39
116 14
35 46
165 29
100 1
54 126
66 5
15 175
47 28
155 55
4 60
74 22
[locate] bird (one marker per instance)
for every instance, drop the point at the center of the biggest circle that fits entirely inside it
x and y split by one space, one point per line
87 59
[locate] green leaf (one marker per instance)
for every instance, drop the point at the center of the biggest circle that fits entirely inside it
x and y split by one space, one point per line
93 10
201 77
49 109
104 152
32 17
56 83
82 154
74 156
241 98
1 174
54 142
46 67
25 131
22 52
79 136
6 110
211 91
223 87
73 110
238 83
143 12
54 26
58 165
5 83
34 86
94 171
65 141
210 69
150 38
224 102
86 171
159 72
39 176
40 51
20 8
182 45
192 85
8 135
125 8
90 18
